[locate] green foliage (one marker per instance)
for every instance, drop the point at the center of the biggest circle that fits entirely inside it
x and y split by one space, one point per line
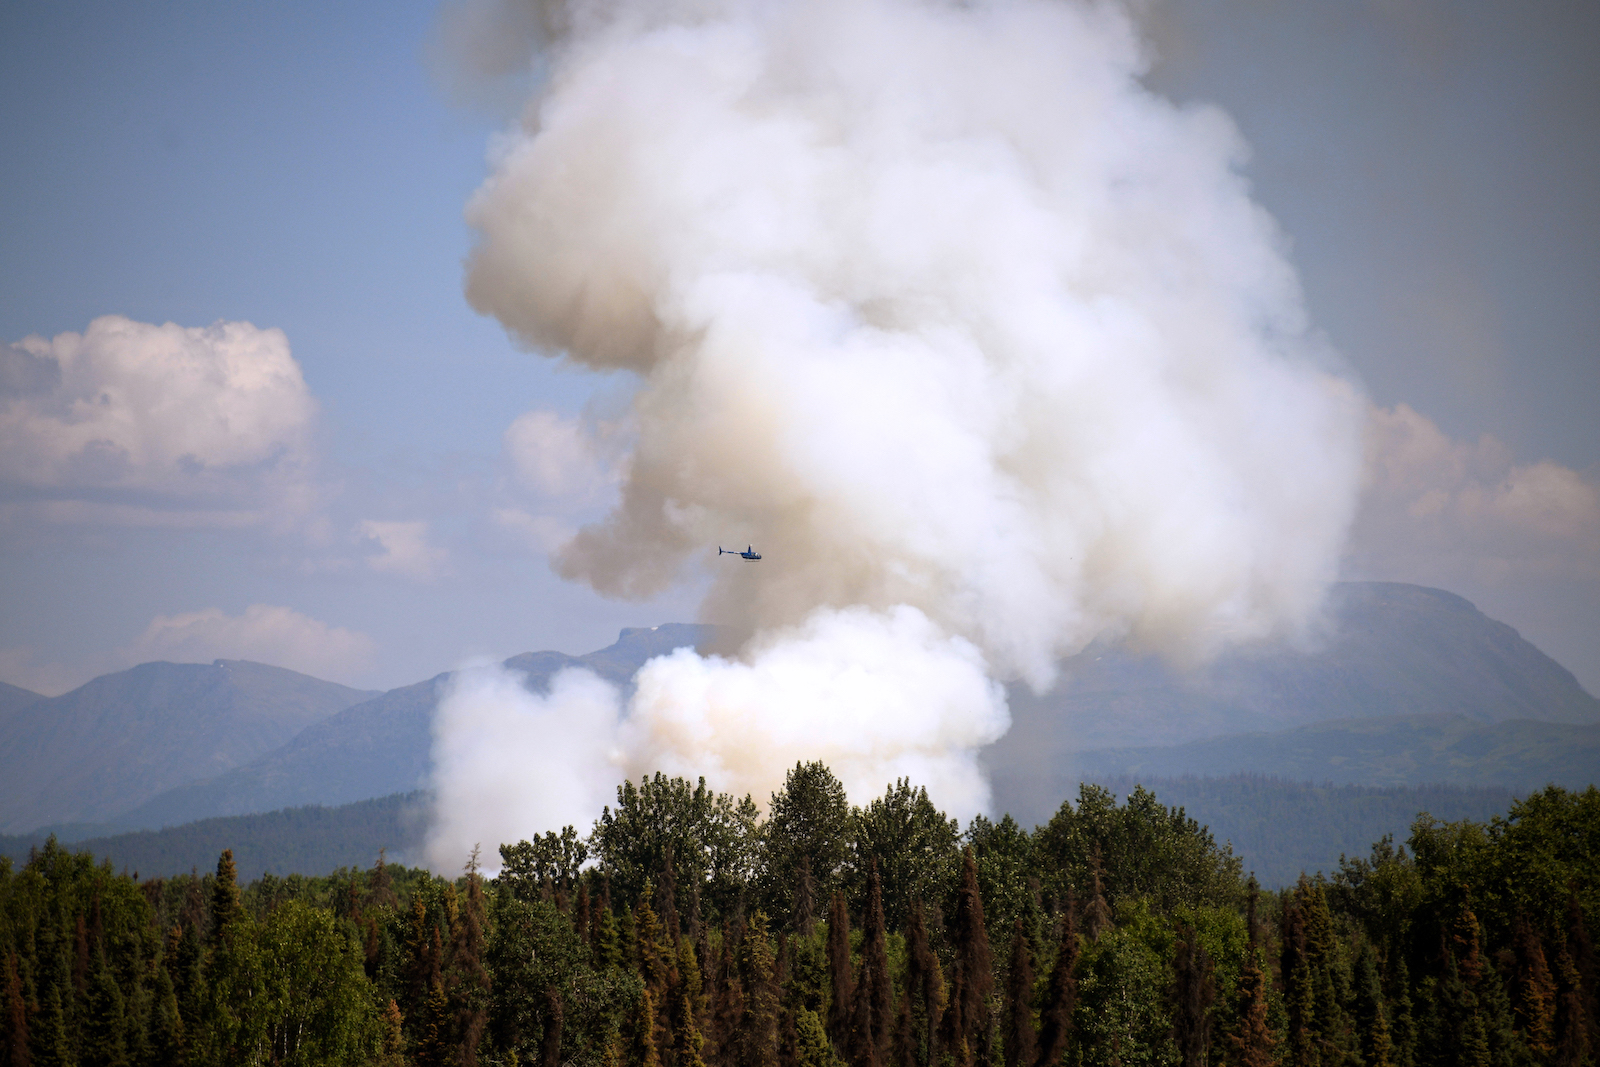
1007 877
808 821
710 836
1468 945
914 844
1122 1015
289 989
535 950
527 865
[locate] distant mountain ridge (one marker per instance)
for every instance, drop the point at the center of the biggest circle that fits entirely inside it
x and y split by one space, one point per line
87 755
309 841
13 698
1393 650
1396 751
1411 685
382 746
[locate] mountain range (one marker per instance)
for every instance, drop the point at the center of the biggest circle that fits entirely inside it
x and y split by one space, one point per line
379 746
91 754
1404 686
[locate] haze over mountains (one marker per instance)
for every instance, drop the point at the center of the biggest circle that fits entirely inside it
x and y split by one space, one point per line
1412 686
89 755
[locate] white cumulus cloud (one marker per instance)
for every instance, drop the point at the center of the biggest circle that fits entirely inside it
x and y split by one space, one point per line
1468 511
404 548
264 633
213 417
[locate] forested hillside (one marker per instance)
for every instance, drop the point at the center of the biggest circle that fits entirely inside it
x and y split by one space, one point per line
1279 829
682 931
309 840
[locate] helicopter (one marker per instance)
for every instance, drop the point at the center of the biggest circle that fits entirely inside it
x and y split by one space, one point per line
748 553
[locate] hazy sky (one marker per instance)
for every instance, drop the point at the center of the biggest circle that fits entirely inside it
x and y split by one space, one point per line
384 513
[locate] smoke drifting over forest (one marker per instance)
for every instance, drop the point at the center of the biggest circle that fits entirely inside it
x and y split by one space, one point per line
983 345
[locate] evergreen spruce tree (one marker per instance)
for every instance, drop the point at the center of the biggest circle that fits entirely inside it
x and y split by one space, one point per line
1485 1007
653 962
788 1036
1021 1043
433 1043
840 980
696 929
1372 1024
225 903
1252 1042
50 1044
80 955
667 902
1586 966
872 1014
1298 991
167 1044
1534 1003
380 891
1061 994
815 1050
550 1041
642 1051
465 975
372 950
692 980
607 941
972 975
687 1039
104 1041
392 1049
757 1039
1192 993
925 991
727 1009
860 1051
1572 1036
1328 1022
13 1019
1402 1018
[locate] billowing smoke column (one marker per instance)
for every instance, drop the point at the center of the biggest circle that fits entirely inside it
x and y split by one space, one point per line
983 345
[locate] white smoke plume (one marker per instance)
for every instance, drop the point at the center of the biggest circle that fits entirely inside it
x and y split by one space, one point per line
508 763
984 346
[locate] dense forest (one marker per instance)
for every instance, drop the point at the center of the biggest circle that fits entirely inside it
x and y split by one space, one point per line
684 930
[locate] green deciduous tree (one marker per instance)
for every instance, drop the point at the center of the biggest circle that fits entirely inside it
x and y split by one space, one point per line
805 841
914 845
711 836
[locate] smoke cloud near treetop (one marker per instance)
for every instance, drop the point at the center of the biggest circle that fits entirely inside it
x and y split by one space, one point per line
983 345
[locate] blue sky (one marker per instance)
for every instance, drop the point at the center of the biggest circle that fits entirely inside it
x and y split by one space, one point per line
298 167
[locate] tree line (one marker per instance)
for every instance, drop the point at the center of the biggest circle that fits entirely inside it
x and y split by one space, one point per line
686 931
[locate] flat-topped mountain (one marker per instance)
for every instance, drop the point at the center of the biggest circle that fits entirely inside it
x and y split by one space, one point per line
382 746
122 738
